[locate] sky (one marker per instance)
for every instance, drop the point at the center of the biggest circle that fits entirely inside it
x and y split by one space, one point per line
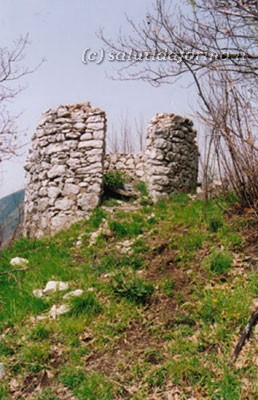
59 31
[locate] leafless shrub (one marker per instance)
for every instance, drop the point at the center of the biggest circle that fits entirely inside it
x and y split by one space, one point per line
228 31
12 72
127 139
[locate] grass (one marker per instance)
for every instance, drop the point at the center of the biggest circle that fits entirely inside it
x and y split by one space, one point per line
221 262
87 305
132 288
164 316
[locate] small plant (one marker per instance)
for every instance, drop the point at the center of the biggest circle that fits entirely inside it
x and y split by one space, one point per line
221 262
124 229
3 393
158 377
47 394
110 202
87 305
145 201
133 261
118 228
114 180
214 225
96 387
72 378
168 287
35 356
40 333
142 188
133 289
96 218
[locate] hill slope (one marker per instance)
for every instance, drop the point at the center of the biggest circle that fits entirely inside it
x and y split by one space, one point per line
166 291
11 214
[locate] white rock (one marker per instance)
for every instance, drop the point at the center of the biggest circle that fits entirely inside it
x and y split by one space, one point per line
53 192
74 293
97 144
63 112
86 136
70 188
96 126
38 293
38 318
19 262
56 311
63 204
78 244
79 126
2 371
56 170
55 286
93 237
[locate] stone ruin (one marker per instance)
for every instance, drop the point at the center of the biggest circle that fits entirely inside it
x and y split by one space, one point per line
67 162
64 170
171 156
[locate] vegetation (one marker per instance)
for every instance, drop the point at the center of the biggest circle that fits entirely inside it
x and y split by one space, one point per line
161 318
114 180
214 43
11 216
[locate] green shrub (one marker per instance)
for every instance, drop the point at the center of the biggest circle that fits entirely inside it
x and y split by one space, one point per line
87 305
114 180
133 289
221 262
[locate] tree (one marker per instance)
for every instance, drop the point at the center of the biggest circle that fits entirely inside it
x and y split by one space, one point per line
216 43
12 71
124 138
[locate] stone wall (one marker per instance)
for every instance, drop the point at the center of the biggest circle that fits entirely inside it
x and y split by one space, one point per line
171 156
64 170
132 164
65 167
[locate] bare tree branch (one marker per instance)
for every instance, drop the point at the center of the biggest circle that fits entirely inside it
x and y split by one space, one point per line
12 70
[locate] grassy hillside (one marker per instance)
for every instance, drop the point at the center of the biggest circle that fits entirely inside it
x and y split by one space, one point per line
167 289
11 213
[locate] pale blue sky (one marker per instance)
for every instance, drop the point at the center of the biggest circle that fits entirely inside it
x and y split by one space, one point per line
59 30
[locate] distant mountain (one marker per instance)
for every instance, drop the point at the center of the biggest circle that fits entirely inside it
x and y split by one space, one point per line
11 215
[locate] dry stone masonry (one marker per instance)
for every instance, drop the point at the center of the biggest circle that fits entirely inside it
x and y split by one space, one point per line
171 156
65 167
133 164
64 170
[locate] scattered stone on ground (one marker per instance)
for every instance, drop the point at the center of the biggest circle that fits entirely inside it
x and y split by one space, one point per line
125 247
58 310
38 293
102 230
55 286
74 293
2 371
19 262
